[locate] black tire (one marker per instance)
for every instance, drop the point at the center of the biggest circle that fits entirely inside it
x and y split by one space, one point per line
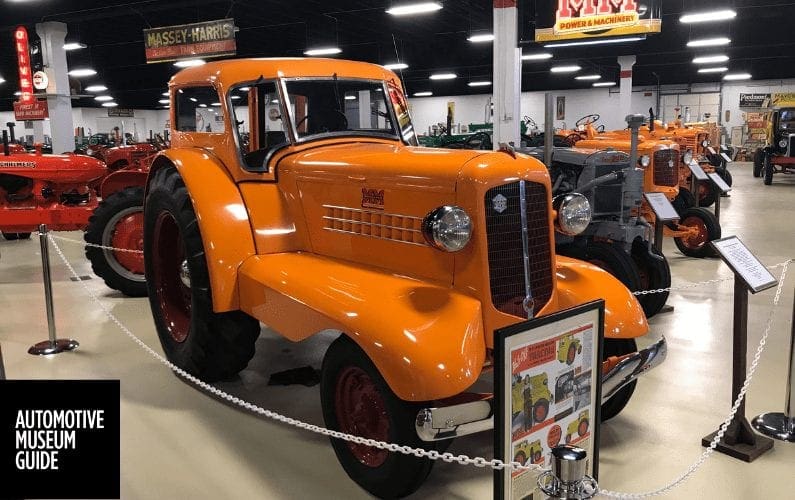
211 346
724 174
10 236
540 411
710 230
389 474
683 201
654 274
708 192
520 457
767 170
127 275
23 236
614 405
609 256
758 162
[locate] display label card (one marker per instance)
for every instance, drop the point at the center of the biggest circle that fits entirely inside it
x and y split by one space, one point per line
547 393
744 263
726 157
711 150
59 439
698 171
718 180
661 206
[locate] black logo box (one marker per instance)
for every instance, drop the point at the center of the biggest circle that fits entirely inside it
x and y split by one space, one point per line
92 469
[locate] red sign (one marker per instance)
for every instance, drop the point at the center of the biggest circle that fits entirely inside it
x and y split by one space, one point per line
23 62
34 110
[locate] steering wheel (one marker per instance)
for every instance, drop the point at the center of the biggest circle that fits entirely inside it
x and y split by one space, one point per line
592 118
600 128
531 124
339 115
572 139
480 140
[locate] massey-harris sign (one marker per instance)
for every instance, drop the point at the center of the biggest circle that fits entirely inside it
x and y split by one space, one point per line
577 19
207 39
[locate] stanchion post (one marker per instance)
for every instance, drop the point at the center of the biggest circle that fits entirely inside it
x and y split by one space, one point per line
717 206
53 345
2 365
782 425
567 479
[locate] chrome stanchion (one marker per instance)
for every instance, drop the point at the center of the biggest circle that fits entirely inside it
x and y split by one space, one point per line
567 479
782 425
53 345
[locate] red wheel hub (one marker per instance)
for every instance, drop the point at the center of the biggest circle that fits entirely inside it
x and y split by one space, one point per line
173 297
540 413
129 234
698 239
583 428
570 355
361 411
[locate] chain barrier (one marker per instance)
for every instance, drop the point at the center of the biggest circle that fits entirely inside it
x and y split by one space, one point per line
495 463
93 245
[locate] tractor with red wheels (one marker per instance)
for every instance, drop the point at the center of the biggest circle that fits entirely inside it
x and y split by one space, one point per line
778 156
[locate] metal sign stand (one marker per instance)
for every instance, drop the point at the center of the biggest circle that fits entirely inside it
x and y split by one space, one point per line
2 366
53 345
782 425
567 480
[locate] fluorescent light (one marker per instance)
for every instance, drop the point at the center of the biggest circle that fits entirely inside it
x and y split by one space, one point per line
17 93
486 37
350 97
322 51
215 104
109 104
103 98
443 76
394 66
588 77
704 17
423 94
482 83
163 101
96 88
709 42
710 59
720 69
737 76
244 89
604 84
539 56
2 80
595 42
165 94
193 99
82 72
572 68
414 8
74 46
235 97
202 105
189 63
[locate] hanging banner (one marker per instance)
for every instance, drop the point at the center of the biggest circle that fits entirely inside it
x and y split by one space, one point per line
754 100
783 100
23 63
206 39
581 19
33 110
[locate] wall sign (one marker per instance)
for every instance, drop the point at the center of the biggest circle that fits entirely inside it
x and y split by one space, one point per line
577 19
548 392
23 64
560 107
754 100
783 100
33 110
121 113
207 39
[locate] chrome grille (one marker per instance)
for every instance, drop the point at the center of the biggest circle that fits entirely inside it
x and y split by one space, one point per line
504 237
666 167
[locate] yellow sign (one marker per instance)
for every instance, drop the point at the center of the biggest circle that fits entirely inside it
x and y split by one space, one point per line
783 100
581 19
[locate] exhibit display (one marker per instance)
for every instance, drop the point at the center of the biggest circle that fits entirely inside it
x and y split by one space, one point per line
778 156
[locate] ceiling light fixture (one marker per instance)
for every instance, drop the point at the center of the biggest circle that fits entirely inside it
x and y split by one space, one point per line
397 65
103 98
443 76
595 42
588 77
163 101
540 56
215 104
705 17
74 46
737 76
96 88
165 94
244 89
711 59
235 97
604 84
720 69
572 68
485 37
423 94
350 97
109 104
414 8
480 83
709 42
322 51
82 72
193 99
202 105
189 63
2 80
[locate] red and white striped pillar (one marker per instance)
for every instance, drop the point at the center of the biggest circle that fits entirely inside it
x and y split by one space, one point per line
625 96
507 78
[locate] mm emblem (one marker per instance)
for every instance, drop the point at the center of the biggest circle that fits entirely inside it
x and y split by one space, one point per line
500 203
373 198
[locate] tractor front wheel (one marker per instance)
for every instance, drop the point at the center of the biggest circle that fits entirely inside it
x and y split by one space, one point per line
520 457
16 236
655 273
684 200
609 256
768 170
758 162
708 229
614 405
708 192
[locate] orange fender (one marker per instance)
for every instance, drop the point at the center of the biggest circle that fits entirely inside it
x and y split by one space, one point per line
580 282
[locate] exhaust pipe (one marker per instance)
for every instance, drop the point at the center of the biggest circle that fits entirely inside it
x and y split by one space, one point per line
11 126
6 151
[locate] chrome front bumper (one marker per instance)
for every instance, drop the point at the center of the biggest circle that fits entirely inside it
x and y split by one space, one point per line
447 422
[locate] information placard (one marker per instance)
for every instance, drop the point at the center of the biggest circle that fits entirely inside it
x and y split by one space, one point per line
744 263
547 392
726 157
696 169
718 180
661 206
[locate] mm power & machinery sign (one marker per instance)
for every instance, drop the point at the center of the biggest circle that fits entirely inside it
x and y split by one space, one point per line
206 39
579 19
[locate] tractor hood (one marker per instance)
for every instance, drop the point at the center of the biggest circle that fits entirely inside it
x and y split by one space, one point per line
55 168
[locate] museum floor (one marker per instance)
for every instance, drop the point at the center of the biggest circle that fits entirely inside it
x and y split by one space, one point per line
178 442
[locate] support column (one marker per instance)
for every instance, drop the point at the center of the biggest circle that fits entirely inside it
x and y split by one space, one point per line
507 78
625 97
52 35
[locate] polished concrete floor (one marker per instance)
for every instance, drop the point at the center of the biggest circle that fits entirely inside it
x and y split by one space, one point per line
178 442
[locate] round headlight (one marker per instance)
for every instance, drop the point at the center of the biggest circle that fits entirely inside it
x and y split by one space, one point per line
447 228
644 161
704 143
782 143
574 213
687 157
89 151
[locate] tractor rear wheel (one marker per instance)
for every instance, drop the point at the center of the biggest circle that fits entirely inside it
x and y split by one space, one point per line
684 200
708 229
16 236
707 193
655 273
211 346
758 162
768 170
609 256
118 222
614 405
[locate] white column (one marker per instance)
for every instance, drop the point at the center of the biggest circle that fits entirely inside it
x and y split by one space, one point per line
52 35
507 79
625 97
38 131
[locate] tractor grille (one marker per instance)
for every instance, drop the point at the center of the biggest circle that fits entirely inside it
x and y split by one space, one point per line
504 236
607 197
666 167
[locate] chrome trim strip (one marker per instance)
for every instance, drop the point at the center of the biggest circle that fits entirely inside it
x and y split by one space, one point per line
350 221
528 302
373 236
633 366
376 212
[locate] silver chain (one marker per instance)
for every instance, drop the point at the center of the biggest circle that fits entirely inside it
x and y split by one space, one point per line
93 245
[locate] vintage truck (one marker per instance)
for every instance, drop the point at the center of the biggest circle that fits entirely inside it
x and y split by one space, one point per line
778 155
294 194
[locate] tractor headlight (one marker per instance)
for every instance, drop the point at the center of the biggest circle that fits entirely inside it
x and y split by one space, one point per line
447 228
782 143
704 143
574 213
644 161
687 157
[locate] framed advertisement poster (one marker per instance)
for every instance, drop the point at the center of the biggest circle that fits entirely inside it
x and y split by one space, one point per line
548 391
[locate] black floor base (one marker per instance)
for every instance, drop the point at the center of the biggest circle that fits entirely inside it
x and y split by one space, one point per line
740 442
666 309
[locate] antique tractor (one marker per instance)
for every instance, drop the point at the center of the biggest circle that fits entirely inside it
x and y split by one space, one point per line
45 189
317 211
526 450
568 349
532 397
778 156
579 426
